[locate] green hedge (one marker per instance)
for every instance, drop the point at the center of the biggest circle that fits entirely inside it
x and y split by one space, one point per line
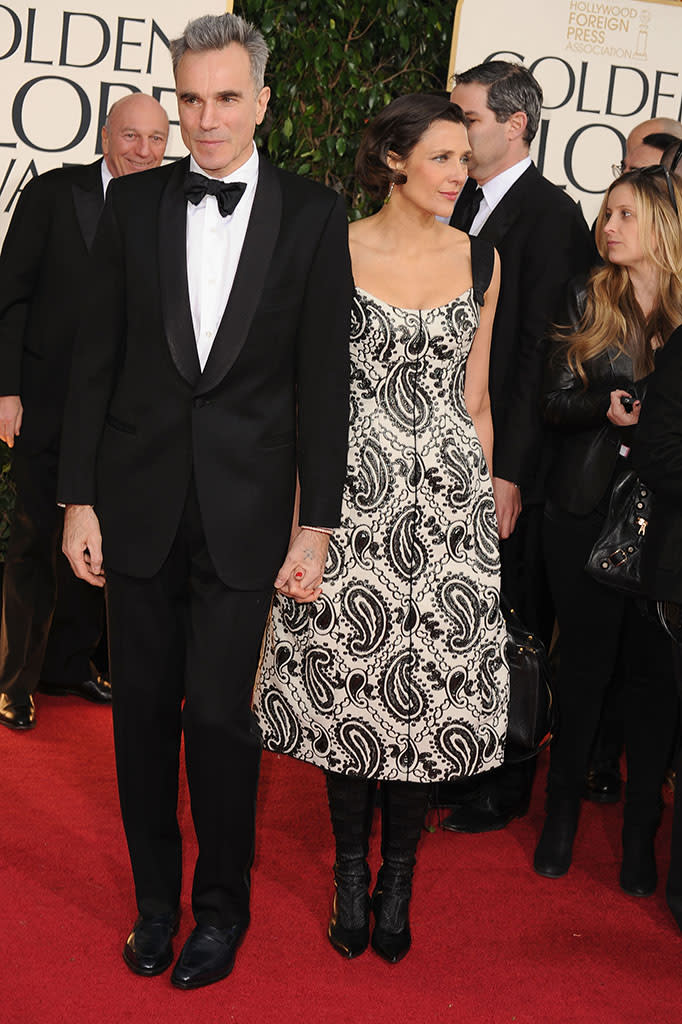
334 65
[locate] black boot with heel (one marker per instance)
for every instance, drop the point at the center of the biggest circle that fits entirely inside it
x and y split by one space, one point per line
404 808
351 804
554 852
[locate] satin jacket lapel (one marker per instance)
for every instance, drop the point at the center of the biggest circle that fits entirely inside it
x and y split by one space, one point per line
88 200
177 313
252 271
509 209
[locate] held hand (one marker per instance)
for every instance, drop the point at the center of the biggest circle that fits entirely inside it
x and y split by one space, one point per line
11 415
301 574
617 413
507 506
82 543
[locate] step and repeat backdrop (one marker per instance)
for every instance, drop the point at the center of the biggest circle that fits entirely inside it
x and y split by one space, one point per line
64 62
604 67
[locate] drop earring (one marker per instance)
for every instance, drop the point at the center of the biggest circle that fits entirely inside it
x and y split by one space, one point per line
390 192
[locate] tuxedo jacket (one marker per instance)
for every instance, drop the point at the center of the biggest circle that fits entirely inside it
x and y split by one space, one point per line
142 419
43 269
543 241
657 457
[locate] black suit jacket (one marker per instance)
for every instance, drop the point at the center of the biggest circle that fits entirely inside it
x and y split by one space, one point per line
543 241
657 456
142 418
43 269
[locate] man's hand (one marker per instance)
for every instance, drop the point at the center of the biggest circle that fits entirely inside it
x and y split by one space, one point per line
507 506
82 543
301 574
11 414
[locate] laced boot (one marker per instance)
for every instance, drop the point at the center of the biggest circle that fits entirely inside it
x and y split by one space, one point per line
351 804
403 813
554 852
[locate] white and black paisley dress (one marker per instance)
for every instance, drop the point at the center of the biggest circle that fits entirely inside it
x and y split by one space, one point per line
398 670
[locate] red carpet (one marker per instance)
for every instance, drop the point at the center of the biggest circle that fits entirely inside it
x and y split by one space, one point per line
492 942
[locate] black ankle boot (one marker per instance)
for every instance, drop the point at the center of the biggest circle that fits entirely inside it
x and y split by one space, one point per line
403 813
554 851
638 874
351 805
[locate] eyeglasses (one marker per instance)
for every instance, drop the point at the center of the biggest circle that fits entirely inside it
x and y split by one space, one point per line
618 169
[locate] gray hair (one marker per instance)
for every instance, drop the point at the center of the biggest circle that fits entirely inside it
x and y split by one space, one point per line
511 88
215 32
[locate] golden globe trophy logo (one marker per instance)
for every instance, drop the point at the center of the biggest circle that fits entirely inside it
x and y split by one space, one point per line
604 67
64 64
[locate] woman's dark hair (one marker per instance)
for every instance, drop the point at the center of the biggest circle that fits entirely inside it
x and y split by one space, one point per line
398 129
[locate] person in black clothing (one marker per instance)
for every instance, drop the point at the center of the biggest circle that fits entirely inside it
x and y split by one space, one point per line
627 309
658 460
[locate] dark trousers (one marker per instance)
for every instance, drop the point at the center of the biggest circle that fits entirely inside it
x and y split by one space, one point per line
184 636
51 621
674 886
596 624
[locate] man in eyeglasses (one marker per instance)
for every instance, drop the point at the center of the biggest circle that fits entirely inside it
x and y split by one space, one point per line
644 146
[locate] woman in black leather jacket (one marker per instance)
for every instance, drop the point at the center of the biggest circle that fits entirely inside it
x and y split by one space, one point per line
594 389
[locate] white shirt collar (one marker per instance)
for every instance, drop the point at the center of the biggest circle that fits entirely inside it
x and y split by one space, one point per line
248 172
496 189
107 176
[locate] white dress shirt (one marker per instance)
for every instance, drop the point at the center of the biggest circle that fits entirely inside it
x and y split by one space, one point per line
495 190
214 245
107 176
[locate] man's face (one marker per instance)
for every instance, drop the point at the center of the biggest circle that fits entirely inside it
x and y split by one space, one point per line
641 155
487 137
219 107
136 137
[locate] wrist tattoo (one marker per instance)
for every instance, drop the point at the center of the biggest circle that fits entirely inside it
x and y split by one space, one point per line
308 554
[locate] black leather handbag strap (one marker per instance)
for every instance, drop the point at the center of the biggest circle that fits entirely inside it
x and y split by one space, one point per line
482 263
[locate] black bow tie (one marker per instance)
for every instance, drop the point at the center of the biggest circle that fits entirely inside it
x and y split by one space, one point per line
227 193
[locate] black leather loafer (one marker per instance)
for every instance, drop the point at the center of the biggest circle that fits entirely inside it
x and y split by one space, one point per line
97 690
17 714
149 949
480 816
207 956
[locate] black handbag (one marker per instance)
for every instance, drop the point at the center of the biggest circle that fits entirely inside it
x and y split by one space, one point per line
532 707
616 555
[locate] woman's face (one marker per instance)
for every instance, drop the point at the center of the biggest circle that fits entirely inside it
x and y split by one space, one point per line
436 169
621 228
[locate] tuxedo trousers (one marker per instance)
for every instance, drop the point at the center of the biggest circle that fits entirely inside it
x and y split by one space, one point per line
184 651
51 621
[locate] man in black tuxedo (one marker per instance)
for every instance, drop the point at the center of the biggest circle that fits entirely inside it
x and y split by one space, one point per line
43 267
218 374
543 241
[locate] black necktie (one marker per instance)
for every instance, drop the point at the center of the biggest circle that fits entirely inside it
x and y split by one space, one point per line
465 211
227 193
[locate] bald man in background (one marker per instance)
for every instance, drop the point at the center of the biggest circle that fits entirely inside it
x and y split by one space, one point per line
639 152
46 640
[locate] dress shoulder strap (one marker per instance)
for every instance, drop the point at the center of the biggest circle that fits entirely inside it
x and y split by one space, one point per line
482 263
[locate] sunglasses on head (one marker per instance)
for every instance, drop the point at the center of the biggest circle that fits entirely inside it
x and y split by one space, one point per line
660 169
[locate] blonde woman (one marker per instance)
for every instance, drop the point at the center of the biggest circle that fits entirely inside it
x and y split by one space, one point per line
596 384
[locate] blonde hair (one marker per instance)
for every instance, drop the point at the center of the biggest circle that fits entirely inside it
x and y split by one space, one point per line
612 314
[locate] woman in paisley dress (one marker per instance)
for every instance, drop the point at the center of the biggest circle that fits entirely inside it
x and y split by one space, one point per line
395 670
